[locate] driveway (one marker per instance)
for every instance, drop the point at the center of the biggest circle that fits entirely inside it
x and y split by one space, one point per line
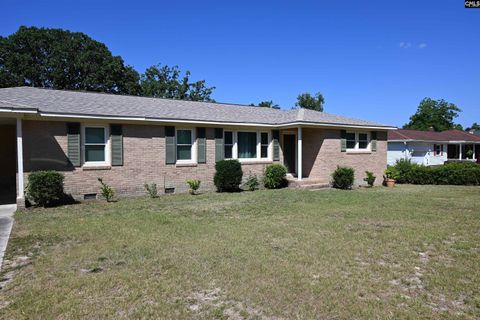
6 223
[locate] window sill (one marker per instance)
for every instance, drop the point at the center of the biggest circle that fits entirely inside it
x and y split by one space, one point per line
255 161
96 167
185 164
359 152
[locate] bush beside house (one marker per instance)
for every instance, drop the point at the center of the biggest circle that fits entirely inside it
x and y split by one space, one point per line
454 173
228 175
343 178
45 188
275 176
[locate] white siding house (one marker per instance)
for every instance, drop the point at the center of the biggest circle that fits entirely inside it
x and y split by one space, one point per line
432 148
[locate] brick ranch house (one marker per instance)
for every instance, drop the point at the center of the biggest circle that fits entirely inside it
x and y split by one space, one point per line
129 141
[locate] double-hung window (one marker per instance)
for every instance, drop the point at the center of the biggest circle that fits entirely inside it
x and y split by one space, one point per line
247 145
228 144
264 145
184 144
95 142
358 141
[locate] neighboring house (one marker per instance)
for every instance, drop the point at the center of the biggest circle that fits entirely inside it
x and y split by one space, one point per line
432 148
129 141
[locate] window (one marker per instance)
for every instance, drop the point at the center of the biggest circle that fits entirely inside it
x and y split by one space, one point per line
247 145
264 145
95 144
359 141
438 149
228 144
362 141
184 144
351 140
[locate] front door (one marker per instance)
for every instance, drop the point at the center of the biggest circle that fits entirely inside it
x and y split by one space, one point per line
289 141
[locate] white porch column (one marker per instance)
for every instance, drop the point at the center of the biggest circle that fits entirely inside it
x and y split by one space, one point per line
460 152
21 184
299 154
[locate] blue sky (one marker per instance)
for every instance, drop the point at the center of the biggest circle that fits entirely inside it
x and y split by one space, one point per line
370 59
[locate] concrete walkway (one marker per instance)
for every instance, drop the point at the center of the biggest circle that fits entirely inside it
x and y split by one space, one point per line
6 224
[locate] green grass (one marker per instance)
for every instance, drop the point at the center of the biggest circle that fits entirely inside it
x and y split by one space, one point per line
407 252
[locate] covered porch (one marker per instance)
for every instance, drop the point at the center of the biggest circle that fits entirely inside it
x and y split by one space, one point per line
463 152
11 161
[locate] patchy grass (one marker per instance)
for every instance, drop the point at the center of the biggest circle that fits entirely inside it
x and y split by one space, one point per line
410 252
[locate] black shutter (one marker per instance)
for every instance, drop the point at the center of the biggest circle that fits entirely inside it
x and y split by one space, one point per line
219 153
343 140
276 145
374 141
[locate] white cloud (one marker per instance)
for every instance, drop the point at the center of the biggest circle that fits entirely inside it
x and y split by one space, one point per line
404 45
422 45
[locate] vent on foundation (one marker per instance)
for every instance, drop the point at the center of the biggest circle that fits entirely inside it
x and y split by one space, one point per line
90 196
169 190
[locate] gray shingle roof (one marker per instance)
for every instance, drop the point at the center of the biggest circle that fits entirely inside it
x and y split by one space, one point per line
75 103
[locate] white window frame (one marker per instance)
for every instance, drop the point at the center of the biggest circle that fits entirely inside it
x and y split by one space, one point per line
106 129
262 145
193 151
357 142
232 145
258 146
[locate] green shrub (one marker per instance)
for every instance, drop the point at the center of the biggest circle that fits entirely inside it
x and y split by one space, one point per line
193 185
252 183
151 190
45 188
275 176
107 191
228 175
404 169
451 173
343 178
370 178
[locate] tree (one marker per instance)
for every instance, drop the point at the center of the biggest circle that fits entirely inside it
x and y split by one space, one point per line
474 126
307 101
436 114
60 59
267 104
167 82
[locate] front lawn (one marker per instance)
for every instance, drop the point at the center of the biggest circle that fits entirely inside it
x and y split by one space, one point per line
407 252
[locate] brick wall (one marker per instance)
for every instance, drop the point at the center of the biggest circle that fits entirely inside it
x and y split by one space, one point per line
45 145
321 155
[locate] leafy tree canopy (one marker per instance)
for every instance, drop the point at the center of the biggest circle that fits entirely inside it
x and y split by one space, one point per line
60 59
474 126
438 114
167 82
308 101
267 104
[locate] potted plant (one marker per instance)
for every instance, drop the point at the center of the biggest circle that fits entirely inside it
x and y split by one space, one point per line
391 175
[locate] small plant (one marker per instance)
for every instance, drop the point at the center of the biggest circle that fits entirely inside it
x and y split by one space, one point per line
107 191
228 175
151 190
392 173
469 154
343 178
275 176
45 188
370 178
252 182
193 185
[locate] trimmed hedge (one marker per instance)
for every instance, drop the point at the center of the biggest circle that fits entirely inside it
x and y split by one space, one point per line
343 178
275 176
45 188
228 175
454 173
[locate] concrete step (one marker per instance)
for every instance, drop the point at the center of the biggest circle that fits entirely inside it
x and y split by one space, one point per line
308 184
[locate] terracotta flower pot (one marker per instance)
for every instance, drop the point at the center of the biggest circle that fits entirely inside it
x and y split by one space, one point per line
390 183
